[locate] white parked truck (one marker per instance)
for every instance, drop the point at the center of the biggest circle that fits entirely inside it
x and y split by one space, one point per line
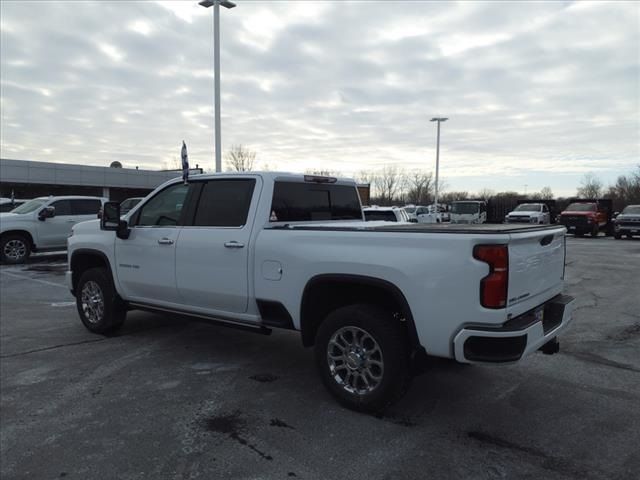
537 213
43 224
273 250
469 211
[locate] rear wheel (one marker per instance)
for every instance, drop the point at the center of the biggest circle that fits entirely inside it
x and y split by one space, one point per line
15 248
595 230
362 356
617 236
629 235
99 306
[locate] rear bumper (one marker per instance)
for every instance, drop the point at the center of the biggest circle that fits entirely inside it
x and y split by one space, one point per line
516 338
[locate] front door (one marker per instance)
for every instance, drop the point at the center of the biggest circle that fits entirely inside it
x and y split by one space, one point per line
146 260
212 253
53 232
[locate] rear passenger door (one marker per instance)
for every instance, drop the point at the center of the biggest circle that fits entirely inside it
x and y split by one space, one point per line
212 252
83 209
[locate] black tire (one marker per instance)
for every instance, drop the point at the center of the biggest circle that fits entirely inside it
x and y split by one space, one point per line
617 236
15 248
595 230
97 282
629 235
391 339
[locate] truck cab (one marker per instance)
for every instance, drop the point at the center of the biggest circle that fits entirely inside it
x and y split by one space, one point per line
469 211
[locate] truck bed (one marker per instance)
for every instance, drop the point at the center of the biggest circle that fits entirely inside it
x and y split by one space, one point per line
485 228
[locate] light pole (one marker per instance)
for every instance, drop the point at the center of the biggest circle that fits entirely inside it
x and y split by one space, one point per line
439 120
216 67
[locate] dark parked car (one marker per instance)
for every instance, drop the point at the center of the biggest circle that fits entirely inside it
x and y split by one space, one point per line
628 222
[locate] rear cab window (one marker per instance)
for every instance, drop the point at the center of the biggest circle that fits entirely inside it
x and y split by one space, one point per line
309 201
377 215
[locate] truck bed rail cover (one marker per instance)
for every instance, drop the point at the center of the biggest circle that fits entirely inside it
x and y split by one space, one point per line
485 228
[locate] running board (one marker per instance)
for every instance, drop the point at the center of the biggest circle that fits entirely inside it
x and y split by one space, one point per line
249 327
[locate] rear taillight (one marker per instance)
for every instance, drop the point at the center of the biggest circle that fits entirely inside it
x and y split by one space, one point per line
493 287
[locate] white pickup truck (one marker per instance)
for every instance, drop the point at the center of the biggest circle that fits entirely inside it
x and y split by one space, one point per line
264 250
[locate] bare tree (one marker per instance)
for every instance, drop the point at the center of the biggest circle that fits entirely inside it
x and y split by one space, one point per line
590 186
240 159
546 193
626 190
419 187
387 184
449 197
485 194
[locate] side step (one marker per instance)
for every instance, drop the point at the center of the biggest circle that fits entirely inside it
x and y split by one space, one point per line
248 327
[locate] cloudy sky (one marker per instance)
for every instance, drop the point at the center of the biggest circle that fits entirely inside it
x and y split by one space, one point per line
537 93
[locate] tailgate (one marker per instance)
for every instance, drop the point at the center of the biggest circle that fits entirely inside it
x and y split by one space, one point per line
536 266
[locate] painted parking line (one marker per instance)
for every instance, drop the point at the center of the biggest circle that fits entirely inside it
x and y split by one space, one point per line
37 280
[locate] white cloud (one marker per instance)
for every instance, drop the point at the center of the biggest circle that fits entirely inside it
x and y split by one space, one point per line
535 91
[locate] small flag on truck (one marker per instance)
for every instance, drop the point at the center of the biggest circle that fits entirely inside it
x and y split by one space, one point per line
185 163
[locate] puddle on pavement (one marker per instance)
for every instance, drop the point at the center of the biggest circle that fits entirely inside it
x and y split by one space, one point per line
54 268
234 426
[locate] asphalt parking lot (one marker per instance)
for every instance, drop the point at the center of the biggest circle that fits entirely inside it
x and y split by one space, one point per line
169 398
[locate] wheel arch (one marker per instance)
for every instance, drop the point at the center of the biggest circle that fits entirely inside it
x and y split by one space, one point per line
326 292
17 231
83 259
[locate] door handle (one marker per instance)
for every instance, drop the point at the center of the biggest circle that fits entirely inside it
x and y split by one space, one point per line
165 241
234 244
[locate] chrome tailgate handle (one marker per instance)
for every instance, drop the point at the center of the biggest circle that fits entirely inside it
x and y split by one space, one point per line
165 241
234 244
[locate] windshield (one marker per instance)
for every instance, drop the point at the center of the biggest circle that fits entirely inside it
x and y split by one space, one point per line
465 207
372 215
410 209
528 207
631 210
30 206
582 207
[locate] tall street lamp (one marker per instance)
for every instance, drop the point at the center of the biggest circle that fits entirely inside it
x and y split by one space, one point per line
216 67
439 120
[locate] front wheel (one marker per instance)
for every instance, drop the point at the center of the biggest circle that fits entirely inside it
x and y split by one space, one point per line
617 236
15 248
362 355
99 306
595 230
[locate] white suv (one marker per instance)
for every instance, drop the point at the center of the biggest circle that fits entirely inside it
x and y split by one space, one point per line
43 223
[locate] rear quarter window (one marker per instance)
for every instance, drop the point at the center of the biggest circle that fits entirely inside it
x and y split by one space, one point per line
302 202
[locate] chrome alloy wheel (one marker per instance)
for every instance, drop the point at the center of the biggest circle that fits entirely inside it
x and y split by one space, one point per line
15 249
92 302
355 360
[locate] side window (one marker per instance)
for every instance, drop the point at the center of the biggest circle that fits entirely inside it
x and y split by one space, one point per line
545 209
85 207
224 203
165 208
63 207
